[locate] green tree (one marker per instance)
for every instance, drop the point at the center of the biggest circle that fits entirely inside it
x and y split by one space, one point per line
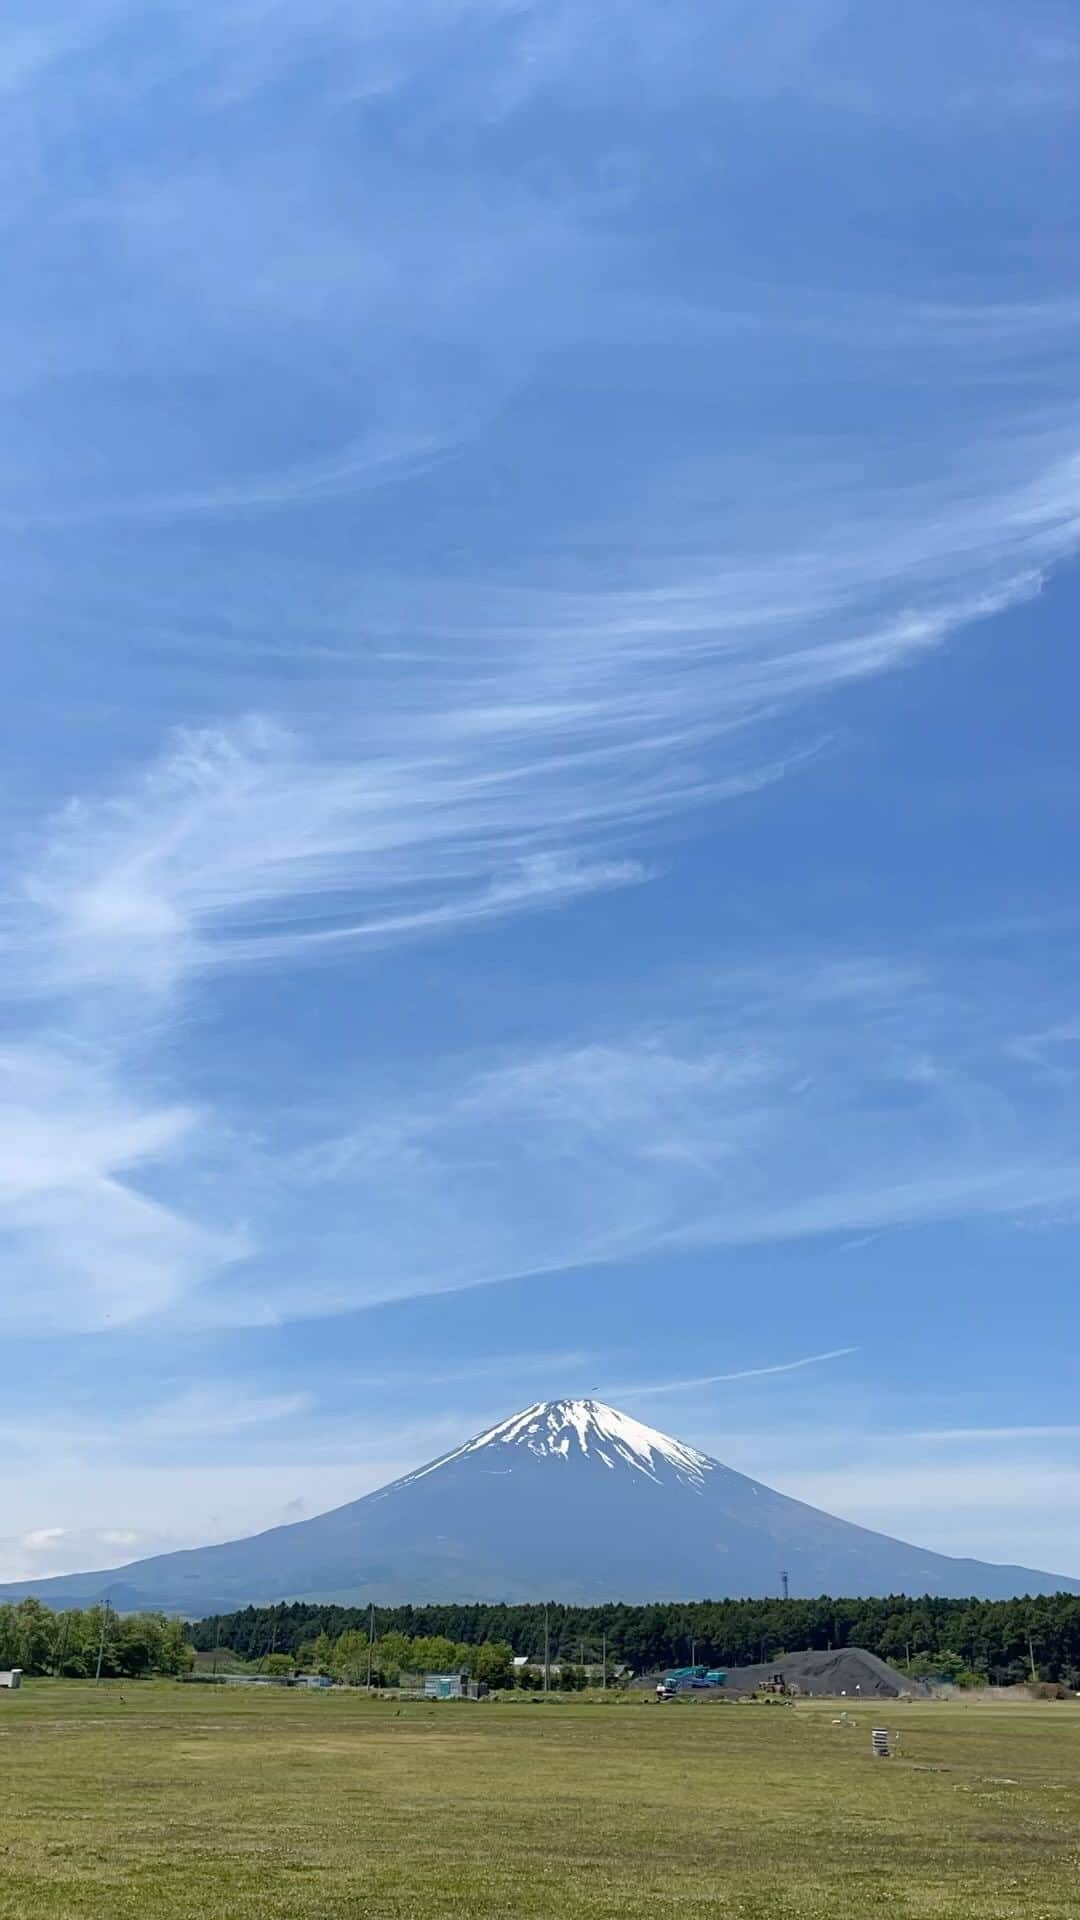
494 1664
175 1653
322 1653
393 1656
135 1645
35 1636
9 1636
350 1657
71 1654
436 1653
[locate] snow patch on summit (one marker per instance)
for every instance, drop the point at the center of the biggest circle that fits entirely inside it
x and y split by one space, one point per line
563 1429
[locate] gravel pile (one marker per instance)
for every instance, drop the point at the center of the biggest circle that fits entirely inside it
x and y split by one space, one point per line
850 1670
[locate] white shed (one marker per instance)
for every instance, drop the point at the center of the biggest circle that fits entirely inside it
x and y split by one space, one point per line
13 1678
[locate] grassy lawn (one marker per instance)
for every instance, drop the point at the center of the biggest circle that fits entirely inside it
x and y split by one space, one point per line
158 1800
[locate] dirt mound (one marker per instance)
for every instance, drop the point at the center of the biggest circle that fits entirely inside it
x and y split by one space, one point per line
848 1670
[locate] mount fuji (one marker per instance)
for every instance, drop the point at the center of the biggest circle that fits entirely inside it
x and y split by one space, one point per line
568 1500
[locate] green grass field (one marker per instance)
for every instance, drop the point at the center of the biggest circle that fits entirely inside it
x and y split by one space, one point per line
159 1800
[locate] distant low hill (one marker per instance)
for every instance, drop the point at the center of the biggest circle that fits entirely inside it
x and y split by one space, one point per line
569 1499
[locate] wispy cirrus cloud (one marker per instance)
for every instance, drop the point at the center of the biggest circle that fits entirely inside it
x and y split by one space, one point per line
783 1106
510 785
698 495
242 845
996 1436
741 1373
913 1485
378 460
84 1244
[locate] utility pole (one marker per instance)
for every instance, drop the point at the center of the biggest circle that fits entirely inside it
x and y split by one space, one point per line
1031 1659
693 1649
603 1665
547 1651
101 1641
370 1644
784 1585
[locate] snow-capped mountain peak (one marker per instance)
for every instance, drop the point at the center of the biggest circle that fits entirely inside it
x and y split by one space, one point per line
569 1499
586 1429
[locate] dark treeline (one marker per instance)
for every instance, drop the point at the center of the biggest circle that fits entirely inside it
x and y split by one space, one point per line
995 1640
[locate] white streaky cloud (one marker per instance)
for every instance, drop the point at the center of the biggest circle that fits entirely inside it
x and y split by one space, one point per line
116 1491
547 727
994 1436
510 1369
742 1373
449 743
769 1112
814 52
822 1098
98 1255
991 1505
62 1124
381 460
811 52
993 1187
243 845
239 847
216 1410
251 842
33 45
83 1246
198 1415
540 880
936 1488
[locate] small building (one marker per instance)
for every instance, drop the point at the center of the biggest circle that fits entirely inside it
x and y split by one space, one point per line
445 1686
453 1686
11 1679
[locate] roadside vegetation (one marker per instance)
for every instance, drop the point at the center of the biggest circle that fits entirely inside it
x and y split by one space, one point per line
394 1660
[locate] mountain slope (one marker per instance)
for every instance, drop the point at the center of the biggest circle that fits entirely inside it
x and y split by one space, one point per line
570 1500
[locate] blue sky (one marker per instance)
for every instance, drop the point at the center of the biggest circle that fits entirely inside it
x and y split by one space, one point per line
539 753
